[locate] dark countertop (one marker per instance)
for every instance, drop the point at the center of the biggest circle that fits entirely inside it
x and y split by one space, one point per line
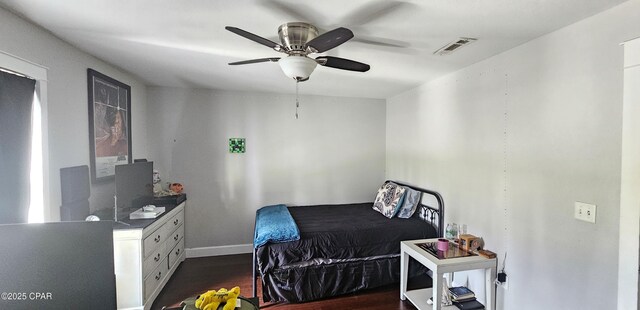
123 216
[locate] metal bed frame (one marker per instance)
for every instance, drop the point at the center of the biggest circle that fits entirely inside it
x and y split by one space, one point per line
433 216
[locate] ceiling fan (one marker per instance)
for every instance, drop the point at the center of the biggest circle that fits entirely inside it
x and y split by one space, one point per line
298 40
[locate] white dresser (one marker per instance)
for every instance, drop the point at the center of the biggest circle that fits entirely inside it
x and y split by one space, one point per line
146 255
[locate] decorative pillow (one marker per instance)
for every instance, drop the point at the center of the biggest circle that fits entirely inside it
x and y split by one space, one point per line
389 199
410 204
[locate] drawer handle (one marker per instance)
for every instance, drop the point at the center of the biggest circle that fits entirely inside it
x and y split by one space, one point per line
178 252
176 237
176 222
157 258
159 275
157 239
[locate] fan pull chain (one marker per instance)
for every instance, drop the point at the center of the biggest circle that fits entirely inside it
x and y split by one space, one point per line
297 99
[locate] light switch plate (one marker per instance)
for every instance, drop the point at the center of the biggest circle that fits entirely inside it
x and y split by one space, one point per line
585 212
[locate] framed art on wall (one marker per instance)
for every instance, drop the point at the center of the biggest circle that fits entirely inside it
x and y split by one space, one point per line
109 125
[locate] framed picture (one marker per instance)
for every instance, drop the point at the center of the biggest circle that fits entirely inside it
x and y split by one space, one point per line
109 125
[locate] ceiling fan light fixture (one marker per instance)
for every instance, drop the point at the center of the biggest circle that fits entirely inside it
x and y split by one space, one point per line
298 40
297 67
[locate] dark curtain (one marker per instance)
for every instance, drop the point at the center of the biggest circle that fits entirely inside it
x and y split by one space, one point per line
16 103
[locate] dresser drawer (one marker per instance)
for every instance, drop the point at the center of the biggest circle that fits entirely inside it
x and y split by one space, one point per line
175 222
154 240
154 259
176 252
154 279
175 237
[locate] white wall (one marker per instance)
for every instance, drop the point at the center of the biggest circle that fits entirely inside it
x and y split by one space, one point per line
513 141
68 103
629 194
333 154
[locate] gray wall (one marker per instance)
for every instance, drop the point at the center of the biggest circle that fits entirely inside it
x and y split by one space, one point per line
67 102
333 154
513 141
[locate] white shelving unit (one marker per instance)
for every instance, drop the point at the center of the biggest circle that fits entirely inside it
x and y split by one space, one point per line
419 299
439 267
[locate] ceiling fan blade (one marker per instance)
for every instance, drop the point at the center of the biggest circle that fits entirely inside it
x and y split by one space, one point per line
301 12
380 41
372 11
253 61
329 40
341 63
255 38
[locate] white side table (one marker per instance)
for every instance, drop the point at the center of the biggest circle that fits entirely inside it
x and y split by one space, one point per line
439 267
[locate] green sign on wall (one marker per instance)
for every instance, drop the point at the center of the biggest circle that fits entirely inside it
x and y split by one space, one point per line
236 145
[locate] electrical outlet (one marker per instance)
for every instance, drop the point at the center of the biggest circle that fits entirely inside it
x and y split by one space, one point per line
590 213
504 284
585 212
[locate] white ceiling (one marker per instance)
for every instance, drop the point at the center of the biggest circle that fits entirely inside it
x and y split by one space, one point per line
184 43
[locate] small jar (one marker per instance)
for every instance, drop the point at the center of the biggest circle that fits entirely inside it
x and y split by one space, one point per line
448 232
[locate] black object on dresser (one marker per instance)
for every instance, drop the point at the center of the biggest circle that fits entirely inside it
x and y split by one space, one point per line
74 183
170 200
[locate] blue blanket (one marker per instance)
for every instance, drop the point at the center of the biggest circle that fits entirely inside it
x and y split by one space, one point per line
274 224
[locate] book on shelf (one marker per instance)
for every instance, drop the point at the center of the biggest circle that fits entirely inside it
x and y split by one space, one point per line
461 293
463 299
469 305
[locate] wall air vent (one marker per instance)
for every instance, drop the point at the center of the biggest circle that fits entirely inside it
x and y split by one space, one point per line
455 45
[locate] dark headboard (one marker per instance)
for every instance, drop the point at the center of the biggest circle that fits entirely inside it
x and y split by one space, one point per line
433 215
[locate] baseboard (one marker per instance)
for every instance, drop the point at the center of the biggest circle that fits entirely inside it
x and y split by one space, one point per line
220 250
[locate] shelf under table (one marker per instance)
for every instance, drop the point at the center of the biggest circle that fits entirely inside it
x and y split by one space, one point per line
419 299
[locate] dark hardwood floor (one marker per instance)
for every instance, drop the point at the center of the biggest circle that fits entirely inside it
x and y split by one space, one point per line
197 275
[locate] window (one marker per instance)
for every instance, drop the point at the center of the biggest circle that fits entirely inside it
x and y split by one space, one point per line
38 162
36 175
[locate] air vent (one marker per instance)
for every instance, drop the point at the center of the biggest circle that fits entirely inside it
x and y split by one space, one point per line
455 45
